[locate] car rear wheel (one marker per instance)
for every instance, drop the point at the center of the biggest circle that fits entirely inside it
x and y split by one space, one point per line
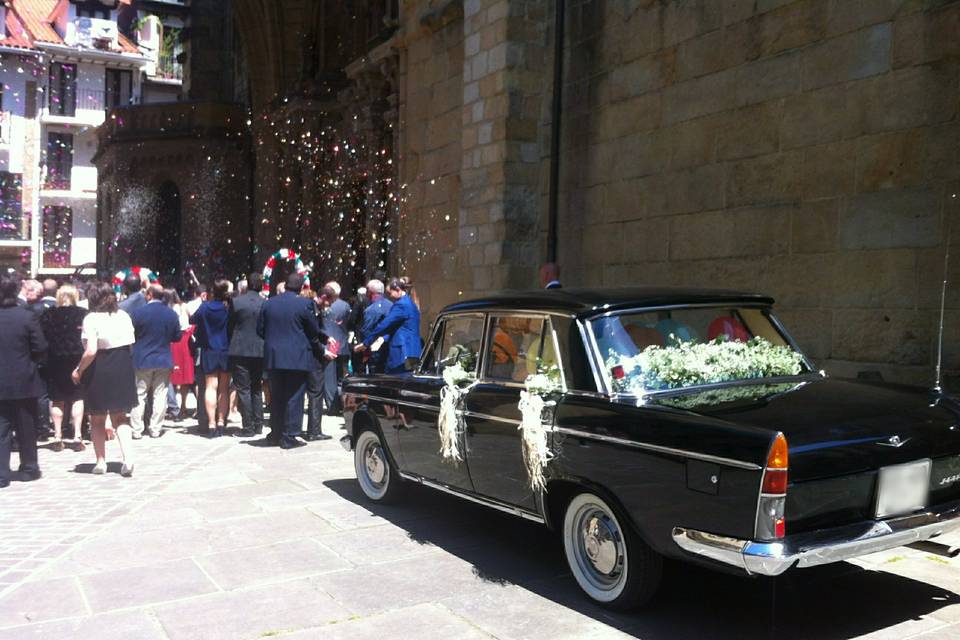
608 559
376 476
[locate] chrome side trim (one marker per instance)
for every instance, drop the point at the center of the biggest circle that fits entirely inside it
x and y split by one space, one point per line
740 464
404 393
820 547
487 416
406 403
487 502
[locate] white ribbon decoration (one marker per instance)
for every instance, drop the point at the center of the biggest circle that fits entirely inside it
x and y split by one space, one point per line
450 421
536 449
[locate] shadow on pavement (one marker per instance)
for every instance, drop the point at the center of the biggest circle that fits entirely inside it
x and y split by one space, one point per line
833 601
87 467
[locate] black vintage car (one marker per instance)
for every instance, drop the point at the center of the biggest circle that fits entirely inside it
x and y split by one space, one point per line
644 469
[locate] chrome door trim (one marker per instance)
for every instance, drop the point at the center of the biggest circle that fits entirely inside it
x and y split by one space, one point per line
740 464
415 394
406 403
487 502
487 416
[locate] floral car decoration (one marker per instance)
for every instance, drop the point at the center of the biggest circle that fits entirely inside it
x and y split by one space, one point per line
651 423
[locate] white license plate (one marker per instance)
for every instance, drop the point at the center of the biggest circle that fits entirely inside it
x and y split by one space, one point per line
903 488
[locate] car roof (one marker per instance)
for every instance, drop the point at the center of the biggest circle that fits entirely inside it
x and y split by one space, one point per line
589 302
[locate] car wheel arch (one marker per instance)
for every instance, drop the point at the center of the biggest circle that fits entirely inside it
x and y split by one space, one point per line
561 491
364 418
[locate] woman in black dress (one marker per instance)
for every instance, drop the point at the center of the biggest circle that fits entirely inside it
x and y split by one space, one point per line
61 327
105 374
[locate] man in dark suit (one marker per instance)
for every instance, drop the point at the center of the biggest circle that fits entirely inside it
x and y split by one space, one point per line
49 298
155 326
323 385
375 312
291 343
23 347
550 276
135 299
246 355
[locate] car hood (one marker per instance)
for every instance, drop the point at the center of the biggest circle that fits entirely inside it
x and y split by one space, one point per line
834 426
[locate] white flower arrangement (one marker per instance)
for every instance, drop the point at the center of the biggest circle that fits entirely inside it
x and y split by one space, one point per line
689 364
541 387
450 421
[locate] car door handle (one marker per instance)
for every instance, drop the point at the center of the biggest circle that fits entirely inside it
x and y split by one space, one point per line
414 394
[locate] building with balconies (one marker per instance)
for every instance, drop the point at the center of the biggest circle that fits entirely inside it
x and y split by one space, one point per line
81 66
157 27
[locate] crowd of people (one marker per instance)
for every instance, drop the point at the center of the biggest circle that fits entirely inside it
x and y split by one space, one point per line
116 366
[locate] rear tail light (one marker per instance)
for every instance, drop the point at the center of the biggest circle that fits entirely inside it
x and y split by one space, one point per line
771 522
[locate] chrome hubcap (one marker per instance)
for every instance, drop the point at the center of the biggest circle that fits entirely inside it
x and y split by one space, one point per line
601 545
373 460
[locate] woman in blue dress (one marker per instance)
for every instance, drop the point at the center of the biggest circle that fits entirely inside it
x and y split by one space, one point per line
400 328
214 342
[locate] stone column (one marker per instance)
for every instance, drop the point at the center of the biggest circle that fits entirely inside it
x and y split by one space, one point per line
505 81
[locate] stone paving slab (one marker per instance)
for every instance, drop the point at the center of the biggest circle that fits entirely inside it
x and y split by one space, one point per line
427 621
252 613
224 539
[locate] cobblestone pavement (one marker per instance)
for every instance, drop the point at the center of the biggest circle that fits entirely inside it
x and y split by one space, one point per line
224 539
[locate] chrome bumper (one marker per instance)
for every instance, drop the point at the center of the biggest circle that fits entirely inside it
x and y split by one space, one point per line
820 547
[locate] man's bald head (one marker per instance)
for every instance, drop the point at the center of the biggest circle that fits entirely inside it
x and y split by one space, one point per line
549 272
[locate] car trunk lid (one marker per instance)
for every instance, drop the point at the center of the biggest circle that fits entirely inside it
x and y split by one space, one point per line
840 427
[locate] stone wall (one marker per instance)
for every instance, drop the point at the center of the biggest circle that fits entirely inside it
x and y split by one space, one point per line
431 91
806 149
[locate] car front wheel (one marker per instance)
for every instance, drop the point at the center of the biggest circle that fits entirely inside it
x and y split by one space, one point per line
609 561
377 479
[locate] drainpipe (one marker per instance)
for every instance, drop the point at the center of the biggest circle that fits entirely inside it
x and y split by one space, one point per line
555 113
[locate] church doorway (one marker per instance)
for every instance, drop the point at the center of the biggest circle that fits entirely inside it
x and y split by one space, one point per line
169 240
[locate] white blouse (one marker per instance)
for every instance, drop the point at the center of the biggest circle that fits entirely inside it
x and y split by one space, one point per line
110 330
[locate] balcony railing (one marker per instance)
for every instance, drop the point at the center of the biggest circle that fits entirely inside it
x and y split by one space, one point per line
68 103
168 68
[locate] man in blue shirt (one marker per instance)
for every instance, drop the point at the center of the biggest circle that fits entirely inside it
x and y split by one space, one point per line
155 326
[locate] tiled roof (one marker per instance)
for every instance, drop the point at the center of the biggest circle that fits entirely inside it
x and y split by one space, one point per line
17 42
17 38
35 16
126 45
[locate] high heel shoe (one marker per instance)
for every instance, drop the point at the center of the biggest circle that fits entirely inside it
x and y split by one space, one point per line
126 470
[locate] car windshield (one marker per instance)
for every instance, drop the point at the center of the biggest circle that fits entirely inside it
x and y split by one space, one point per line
680 348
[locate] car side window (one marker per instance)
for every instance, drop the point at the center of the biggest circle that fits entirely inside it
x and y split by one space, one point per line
431 359
457 341
515 345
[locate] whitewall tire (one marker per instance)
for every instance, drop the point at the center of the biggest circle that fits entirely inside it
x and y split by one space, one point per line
609 561
377 478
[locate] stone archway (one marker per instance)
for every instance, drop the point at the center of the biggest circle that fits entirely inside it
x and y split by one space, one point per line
169 232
